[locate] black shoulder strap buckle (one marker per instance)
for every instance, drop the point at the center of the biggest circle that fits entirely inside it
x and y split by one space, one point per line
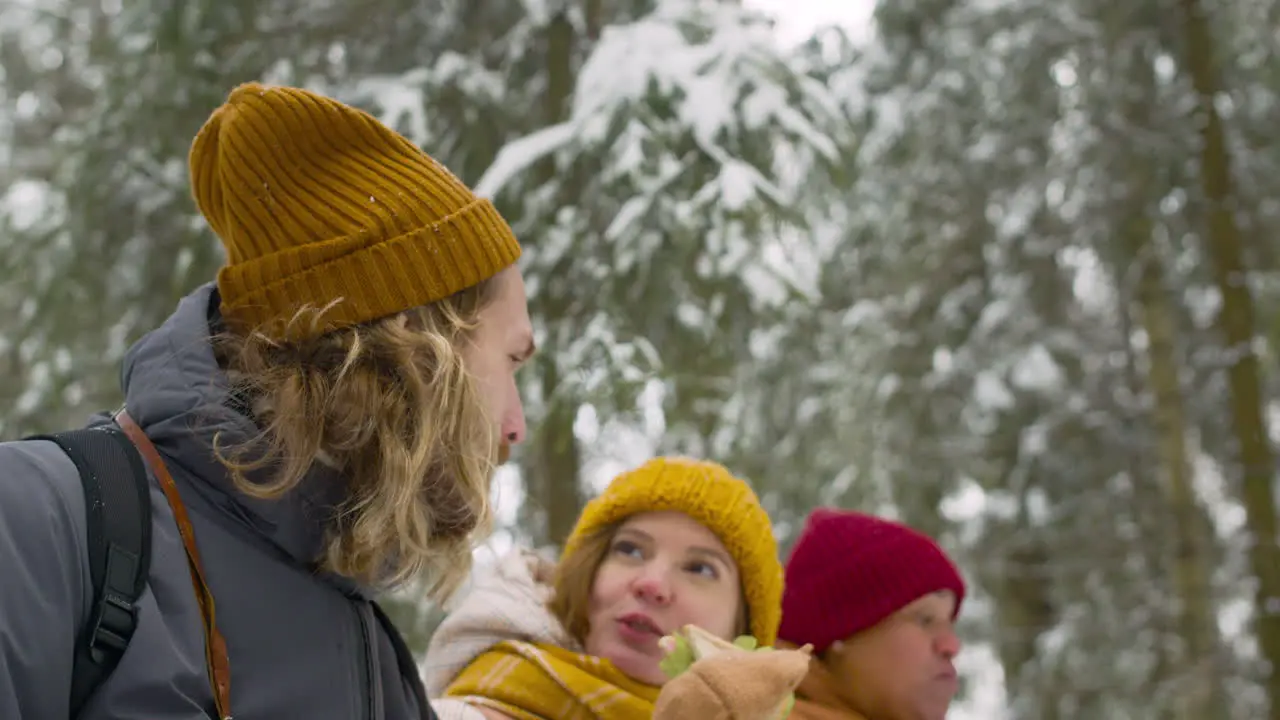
118 514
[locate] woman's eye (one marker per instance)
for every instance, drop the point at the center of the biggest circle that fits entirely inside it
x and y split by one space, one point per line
626 548
704 569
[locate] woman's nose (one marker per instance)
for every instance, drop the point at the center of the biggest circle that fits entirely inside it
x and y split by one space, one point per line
652 588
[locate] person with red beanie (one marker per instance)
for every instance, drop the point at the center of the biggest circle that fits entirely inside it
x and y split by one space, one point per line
878 602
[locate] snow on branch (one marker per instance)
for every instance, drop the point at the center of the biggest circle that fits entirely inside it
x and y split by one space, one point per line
518 155
711 69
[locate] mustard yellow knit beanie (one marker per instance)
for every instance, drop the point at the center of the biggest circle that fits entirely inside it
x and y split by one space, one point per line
317 203
710 494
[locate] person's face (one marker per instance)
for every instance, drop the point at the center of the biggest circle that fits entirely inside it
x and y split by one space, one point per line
663 571
902 668
500 345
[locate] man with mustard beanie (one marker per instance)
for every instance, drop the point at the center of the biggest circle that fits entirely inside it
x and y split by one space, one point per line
316 426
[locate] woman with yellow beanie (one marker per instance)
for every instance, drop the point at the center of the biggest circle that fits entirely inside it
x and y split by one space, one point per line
672 543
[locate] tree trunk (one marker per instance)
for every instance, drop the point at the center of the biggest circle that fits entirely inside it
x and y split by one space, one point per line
1023 613
1150 509
1223 245
1199 689
553 468
1181 541
593 13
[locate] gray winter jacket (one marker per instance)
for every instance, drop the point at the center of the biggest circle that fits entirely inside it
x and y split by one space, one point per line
301 644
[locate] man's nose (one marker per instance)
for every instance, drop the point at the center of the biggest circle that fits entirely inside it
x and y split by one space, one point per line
513 427
948 643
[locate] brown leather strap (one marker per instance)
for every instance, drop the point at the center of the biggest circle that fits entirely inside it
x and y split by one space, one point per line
215 648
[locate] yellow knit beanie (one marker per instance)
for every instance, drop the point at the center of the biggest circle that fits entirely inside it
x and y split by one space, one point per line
724 504
317 203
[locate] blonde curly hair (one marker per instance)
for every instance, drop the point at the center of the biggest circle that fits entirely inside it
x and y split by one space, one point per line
392 406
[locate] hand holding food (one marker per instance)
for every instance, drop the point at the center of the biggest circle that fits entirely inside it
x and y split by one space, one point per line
713 679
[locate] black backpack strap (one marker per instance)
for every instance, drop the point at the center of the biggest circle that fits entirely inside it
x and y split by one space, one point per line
118 512
408 666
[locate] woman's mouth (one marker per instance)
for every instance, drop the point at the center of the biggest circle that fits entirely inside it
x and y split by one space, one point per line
638 628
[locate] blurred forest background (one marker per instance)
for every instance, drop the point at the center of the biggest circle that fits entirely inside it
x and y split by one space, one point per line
1006 269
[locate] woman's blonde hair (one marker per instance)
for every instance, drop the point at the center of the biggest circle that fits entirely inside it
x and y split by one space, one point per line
575 577
392 407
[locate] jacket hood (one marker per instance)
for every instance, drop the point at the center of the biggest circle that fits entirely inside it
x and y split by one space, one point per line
176 391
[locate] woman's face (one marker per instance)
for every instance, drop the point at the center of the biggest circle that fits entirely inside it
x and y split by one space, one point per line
903 668
662 571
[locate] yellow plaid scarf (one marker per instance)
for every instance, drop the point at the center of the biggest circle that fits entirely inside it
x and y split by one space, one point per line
544 682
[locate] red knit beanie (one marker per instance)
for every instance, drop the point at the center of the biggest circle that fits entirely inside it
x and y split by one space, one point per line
848 571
